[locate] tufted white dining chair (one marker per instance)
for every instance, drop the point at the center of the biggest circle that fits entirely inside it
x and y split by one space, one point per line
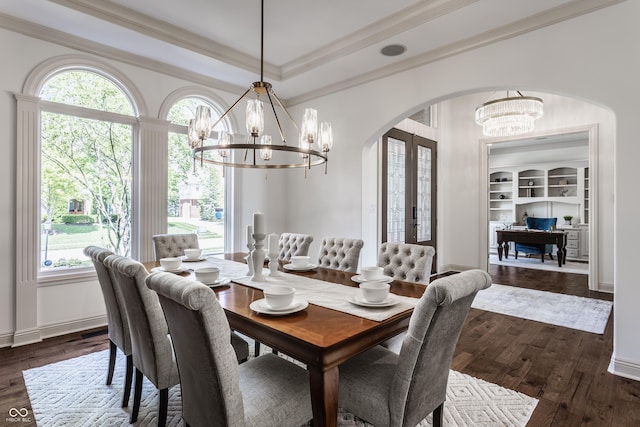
340 253
406 262
267 391
293 244
117 325
389 389
173 245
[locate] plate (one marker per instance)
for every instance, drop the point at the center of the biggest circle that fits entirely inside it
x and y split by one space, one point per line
360 279
180 269
185 259
299 268
261 307
357 299
218 282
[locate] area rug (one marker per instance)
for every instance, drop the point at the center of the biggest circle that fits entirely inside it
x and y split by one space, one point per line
585 314
536 264
73 393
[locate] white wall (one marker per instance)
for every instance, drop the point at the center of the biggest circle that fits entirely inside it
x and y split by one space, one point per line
569 58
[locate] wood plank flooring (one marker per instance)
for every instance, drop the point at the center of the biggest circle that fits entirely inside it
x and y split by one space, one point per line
565 369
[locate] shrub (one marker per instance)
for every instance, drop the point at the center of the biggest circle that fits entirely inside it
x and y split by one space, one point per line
76 219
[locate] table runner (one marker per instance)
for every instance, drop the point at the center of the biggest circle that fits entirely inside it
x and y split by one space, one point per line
319 292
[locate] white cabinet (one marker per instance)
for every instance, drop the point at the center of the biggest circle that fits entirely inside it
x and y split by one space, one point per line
576 239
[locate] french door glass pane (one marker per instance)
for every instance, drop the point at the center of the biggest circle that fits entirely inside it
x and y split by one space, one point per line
396 180
424 194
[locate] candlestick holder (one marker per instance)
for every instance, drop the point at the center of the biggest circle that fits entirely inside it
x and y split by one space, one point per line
273 264
248 259
257 256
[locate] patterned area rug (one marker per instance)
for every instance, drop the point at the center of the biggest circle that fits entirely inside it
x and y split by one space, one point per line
73 393
585 314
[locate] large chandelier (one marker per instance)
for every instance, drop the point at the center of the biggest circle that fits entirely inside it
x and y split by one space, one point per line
509 116
258 150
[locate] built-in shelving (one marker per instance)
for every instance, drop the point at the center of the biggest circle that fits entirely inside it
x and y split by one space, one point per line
501 196
531 183
585 218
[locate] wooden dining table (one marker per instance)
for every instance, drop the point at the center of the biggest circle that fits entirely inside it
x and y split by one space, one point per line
319 337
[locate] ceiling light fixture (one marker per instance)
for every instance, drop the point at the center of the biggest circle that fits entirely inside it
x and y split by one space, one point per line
509 116
259 151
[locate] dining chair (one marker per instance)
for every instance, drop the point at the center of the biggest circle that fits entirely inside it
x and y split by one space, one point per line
117 325
293 244
216 391
152 352
389 389
340 253
407 262
173 245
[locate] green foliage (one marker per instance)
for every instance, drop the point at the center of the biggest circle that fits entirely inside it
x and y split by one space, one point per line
77 219
567 217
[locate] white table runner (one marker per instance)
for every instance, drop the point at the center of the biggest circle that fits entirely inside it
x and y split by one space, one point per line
325 294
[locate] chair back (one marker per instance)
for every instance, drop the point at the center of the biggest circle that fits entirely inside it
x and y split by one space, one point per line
117 324
541 223
173 245
420 382
209 374
340 253
151 345
293 244
407 262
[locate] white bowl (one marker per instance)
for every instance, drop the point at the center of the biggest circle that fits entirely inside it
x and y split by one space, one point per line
170 263
279 297
207 275
193 253
375 291
372 273
300 260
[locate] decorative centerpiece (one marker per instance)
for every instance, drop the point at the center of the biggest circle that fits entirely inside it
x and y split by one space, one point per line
273 250
567 219
258 254
250 247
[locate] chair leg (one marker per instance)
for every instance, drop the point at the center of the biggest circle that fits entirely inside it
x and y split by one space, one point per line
137 395
257 349
127 381
438 416
112 361
516 255
542 256
551 256
163 405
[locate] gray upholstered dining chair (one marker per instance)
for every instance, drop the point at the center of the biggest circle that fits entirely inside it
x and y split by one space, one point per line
173 245
293 244
340 253
389 389
406 262
152 351
216 391
117 325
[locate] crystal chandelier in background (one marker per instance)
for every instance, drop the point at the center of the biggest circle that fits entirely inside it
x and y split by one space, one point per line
509 116
258 150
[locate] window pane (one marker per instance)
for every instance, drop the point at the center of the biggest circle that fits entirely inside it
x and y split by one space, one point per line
396 170
424 194
196 193
86 89
85 188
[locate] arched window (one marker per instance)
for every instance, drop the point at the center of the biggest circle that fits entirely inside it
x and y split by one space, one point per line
86 134
196 195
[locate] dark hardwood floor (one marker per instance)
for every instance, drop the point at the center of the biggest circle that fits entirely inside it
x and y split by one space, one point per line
564 368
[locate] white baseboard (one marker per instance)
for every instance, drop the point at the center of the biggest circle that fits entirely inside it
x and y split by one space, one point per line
624 368
73 326
605 287
20 338
26 336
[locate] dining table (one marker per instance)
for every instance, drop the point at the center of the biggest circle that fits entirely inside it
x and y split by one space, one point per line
324 334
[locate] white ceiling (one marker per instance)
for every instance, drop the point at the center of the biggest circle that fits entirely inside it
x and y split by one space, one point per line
310 47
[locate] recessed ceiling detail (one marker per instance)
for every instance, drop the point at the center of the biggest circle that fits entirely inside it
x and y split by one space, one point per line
393 50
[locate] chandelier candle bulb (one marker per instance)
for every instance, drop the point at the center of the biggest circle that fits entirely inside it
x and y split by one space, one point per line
258 223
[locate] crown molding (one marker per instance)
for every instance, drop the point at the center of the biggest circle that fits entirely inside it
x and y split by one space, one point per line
64 39
167 32
535 22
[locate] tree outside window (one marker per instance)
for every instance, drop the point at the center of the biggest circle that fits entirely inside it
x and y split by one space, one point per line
195 194
86 168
